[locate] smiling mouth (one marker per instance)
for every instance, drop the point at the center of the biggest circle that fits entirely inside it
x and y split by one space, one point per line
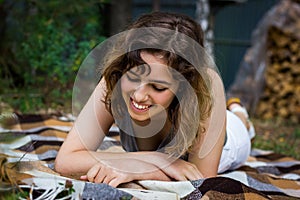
138 106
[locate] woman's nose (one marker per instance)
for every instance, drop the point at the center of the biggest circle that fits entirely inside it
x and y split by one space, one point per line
141 93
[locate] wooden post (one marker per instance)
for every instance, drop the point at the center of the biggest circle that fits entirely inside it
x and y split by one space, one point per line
156 5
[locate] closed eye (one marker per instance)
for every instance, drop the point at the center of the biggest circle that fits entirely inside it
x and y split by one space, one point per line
158 88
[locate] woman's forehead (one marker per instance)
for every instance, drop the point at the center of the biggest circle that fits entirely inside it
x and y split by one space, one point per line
153 70
153 57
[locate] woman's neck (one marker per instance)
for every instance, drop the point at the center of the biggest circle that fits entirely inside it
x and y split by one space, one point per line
149 137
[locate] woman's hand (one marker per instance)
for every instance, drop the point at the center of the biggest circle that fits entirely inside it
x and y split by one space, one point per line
181 170
101 173
114 172
174 168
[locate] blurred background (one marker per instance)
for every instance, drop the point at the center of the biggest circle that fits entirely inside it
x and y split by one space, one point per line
255 43
43 43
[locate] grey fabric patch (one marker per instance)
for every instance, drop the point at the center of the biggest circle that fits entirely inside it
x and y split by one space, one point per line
198 183
103 192
268 169
48 155
261 186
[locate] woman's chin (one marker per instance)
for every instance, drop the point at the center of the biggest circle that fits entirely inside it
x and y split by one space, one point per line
147 118
140 119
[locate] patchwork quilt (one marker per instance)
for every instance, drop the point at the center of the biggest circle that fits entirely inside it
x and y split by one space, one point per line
29 145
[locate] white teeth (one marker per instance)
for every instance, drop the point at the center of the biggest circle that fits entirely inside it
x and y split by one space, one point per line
140 107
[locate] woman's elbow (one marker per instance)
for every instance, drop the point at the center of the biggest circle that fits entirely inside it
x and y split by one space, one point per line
60 165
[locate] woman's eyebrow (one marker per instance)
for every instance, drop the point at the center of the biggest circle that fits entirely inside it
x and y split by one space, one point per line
160 82
153 80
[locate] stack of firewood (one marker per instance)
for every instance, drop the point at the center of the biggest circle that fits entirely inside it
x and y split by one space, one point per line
281 95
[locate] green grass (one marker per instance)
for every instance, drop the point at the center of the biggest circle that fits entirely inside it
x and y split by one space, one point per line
281 137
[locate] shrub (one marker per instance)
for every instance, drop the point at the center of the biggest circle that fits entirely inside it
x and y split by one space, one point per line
47 40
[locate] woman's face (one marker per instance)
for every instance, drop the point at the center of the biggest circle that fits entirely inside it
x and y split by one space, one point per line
148 89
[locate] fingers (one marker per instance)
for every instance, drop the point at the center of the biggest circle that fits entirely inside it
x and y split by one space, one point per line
84 177
93 172
177 174
182 171
100 173
101 176
182 178
193 173
114 182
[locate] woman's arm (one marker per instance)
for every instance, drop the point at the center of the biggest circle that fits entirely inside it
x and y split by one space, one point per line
208 164
207 150
86 135
78 153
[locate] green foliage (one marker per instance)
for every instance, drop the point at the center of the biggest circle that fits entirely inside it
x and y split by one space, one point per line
13 195
47 40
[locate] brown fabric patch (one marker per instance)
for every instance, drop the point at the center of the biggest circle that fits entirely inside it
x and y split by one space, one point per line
45 148
284 183
220 195
48 122
274 157
254 196
54 133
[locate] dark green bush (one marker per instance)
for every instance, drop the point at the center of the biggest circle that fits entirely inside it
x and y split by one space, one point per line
42 49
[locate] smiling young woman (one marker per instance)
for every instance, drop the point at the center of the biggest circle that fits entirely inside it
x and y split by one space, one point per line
163 91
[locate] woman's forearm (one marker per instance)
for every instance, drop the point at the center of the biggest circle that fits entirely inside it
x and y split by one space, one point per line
123 166
80 162
74 164
151 164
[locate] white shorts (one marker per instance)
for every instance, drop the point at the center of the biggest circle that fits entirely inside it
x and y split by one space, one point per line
238 144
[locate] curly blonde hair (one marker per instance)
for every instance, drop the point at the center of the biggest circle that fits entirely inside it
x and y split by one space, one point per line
187 119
